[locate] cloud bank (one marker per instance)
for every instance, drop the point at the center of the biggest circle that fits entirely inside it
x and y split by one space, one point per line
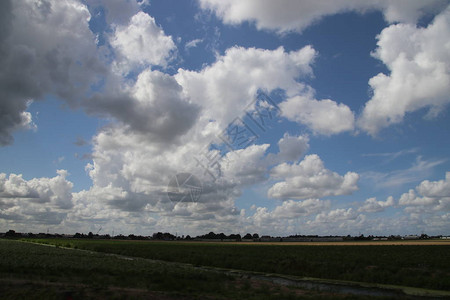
160 122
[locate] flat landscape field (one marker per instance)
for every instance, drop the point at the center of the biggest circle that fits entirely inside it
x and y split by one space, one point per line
358 243
227 270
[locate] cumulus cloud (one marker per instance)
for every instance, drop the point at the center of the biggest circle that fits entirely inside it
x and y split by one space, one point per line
411 198
118 12
340 220
321 116
372 205
160 123
292 15
340 214
166 122
292 148
419 61
56 191
294 209
439 188
310 179
282 218
39 200
314 216
433 194
130 177
225 88
37 60
132 173
128 160
245 166
141 43
154 106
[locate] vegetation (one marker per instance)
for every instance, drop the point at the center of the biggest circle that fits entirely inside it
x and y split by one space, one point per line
32 271
424 266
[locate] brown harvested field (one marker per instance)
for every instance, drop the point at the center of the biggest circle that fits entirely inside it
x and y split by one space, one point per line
353 243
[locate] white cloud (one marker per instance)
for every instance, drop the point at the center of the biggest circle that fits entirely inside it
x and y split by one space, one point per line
39 200
372 205
294 209
339 220
310 179
161 122
439 188
141 43
340 214
295 15
225 88
134 160
135 172
432 194
419 63
192 44
127 163
322 116
314 216
281 219
14 186
411 198
245 166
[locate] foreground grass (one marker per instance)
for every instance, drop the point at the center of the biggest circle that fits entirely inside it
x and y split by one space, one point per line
426 266
31 271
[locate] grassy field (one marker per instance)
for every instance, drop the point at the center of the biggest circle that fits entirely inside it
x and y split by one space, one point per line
424 266
360 243
32 271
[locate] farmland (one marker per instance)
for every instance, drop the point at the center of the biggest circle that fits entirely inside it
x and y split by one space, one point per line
161 266
31 271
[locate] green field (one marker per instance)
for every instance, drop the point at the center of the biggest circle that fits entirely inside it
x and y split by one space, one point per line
423 266
31 271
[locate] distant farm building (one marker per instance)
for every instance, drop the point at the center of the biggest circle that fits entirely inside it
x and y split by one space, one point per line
411 237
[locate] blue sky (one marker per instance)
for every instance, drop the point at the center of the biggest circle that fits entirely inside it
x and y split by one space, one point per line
103 110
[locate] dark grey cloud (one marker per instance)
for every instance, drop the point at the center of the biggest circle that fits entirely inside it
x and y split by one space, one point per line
5 22
46 47
10 111
155 107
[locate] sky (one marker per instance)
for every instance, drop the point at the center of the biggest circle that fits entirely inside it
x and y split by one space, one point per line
270 117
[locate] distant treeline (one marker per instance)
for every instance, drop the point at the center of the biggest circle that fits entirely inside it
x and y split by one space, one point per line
166 236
